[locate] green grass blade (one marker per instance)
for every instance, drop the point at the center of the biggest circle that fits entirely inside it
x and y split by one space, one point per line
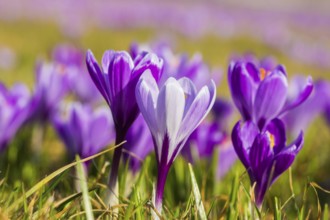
326 212
232 213
197 195
84 189
277 209
44 181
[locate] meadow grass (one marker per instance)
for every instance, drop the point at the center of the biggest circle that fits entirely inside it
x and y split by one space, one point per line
40 185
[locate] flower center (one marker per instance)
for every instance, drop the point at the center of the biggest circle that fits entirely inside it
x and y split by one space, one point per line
263 73
271 139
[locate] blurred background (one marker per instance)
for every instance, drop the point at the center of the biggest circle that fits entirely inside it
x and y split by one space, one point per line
296 33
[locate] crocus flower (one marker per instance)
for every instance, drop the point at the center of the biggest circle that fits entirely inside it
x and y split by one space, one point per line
301 117
50 88
262 95
203 142
264 154
172 113
84 131
138 143
15 108
226 158
179 65
222 113
79 83
116 81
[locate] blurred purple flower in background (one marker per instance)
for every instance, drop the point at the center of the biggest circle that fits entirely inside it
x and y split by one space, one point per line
262 95
301 117
15 108
51 87
116 81
73 60
264 154
172 113
83 130
211 136
139 143
179 65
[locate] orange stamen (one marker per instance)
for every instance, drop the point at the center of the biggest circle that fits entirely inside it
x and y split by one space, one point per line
263 73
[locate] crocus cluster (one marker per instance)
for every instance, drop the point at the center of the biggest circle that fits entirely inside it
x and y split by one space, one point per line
116 81
261 96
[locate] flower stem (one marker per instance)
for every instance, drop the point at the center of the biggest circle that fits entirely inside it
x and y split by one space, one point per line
112 193
161 180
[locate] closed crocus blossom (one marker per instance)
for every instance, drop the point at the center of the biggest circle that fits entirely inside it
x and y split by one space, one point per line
15 108
265 154
84 131
172 113
116 81
262 95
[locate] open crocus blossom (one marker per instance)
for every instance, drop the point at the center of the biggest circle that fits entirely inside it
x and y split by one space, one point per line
264 154
172 114
262 95
116 81
15 107
84 132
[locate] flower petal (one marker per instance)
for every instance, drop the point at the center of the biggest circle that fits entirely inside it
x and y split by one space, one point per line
170 109
277 130
243 88
96 74
198 110
189 91
301 97
270 98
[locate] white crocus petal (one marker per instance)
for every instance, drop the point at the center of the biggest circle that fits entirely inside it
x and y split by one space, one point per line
189 90
146 93
106 60
198 110
170 108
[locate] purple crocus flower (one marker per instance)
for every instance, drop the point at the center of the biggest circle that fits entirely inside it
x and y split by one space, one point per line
204 141
211 136
179 65
264 154
172 113
116 81
80 84
138 143
50 88
299 118
15 108
262 95
84 132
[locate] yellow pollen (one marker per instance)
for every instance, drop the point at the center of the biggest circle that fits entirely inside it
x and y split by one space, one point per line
271 140
263 73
